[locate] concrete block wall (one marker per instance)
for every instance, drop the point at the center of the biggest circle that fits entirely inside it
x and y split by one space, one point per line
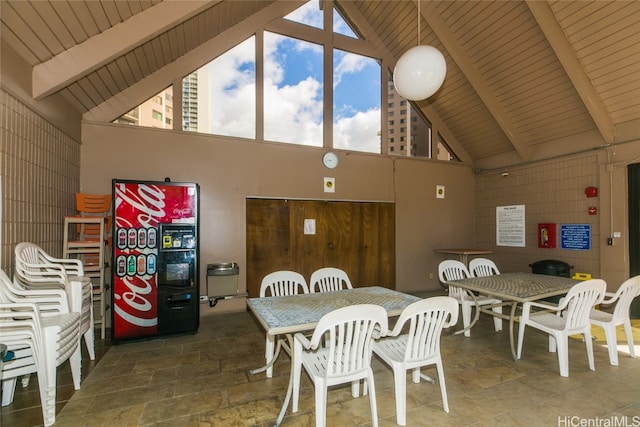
552 191
40 169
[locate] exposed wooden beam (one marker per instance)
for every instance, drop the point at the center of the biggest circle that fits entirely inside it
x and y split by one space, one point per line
455 50
84 58
387 58
572 66
192 60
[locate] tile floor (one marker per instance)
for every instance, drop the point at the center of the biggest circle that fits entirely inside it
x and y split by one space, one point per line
202 380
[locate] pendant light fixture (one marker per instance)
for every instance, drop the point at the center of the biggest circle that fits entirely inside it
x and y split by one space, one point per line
420 71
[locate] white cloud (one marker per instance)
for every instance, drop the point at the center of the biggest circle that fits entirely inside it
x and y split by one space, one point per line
349 63
308 14
358 133
232 93
293 113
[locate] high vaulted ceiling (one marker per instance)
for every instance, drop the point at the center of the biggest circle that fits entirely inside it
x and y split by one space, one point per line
525 79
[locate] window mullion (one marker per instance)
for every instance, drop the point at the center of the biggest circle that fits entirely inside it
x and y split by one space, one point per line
259 61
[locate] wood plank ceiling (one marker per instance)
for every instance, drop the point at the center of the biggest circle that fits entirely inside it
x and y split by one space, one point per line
522 75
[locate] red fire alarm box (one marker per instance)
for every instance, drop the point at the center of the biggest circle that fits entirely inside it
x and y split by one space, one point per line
547 235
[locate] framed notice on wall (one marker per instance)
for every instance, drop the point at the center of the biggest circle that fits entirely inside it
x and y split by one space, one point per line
576 237
510 229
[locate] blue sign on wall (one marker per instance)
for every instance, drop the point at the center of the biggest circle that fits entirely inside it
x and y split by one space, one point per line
575 237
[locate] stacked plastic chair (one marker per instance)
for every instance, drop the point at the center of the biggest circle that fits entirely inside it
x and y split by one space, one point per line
40 342
35 269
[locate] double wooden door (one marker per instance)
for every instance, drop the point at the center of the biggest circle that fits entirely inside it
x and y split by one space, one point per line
304 235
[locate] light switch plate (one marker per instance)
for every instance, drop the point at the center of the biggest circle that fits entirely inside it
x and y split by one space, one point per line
329 185
439 191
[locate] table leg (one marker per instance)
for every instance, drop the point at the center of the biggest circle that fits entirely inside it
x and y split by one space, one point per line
512 318
287 397
269 364
475 317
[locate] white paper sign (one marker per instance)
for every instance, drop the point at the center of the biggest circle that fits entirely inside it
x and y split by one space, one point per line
510 226
309 226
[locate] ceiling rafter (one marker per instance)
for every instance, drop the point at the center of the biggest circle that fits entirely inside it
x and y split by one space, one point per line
566 55
84 58
388 58
450 42
194 59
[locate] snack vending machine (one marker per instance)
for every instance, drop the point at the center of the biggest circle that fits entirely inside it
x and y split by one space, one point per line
155 266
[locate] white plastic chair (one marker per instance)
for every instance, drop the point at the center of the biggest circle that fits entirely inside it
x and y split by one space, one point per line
35 269
622 298
456 270
569 317
344 357
279 283
417 348
482 267
40 343
329 279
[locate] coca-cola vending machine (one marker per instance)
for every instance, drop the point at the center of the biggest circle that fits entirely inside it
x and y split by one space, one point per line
155 266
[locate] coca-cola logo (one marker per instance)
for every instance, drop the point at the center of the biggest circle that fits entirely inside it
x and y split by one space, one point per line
135 297
182 213
147 200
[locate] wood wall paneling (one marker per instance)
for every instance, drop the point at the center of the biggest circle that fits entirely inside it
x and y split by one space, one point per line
354 236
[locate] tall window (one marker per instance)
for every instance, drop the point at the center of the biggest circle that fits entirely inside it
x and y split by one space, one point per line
356 112
156 112
220 98
442 151
412 127
293 110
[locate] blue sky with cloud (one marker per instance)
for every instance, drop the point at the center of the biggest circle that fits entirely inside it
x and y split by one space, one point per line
293 85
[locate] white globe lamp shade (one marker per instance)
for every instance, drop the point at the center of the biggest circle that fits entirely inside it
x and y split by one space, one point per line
419 73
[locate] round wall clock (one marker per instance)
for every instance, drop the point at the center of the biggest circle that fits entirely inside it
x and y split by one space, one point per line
330 160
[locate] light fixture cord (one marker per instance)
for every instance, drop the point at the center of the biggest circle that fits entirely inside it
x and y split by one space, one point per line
418 22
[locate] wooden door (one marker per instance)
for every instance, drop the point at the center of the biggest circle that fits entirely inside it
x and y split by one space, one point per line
335 242
378 243
267 240
356 237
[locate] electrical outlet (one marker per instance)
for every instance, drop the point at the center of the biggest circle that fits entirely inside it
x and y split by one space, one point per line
204 298
430 275
329 185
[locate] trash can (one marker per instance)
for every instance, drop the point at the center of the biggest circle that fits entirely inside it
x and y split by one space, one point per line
222 279
551 267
